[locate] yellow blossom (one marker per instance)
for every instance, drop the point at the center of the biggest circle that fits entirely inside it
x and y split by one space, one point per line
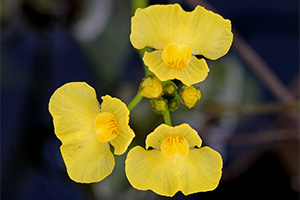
150 87
177 36
86 130
176 162
190 95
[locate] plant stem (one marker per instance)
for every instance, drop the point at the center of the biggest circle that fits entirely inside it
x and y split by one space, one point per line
135 101
135 4
141 54
167 118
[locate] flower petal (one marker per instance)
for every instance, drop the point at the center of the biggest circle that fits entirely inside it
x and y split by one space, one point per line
200 171
196 71
196 172
74 107
154 26
151 170
155 63
209 33
155 138
121 112
122 141
87 160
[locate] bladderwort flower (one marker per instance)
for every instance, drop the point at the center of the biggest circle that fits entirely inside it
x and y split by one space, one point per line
177 37
86 129
176 162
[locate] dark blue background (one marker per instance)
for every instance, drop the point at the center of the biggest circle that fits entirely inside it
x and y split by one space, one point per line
36 60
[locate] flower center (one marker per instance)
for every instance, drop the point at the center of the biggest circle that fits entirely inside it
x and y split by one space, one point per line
176 56
174 146
106 127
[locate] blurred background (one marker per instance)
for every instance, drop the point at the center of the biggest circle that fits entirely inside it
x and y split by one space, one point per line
249 111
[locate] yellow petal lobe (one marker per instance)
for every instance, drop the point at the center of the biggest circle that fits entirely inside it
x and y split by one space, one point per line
119 110
200 171
155 26
88 160
163 131
74 107
211 34
176 56
106 127
151 170
174 146
195 71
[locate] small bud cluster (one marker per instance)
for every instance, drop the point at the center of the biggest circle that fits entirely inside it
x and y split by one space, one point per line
164 96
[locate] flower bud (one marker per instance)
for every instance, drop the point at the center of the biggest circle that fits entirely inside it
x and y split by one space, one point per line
173 104
159 106
150 87
190 96
170 88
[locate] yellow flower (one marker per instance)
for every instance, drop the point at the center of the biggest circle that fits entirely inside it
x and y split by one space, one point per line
86 130
176 163
151 87
177 36
190 95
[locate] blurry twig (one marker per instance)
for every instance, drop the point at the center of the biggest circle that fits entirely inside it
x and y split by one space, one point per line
257 64
264 137
258 108
246 159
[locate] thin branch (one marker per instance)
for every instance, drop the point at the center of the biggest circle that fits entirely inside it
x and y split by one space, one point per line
264 137
251 108
261 69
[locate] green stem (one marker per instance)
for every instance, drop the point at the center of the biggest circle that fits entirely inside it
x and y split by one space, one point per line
147 71
141 54
135 101
167 118
135 4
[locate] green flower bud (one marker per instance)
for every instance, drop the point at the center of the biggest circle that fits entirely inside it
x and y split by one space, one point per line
170 88
159 106
173 104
